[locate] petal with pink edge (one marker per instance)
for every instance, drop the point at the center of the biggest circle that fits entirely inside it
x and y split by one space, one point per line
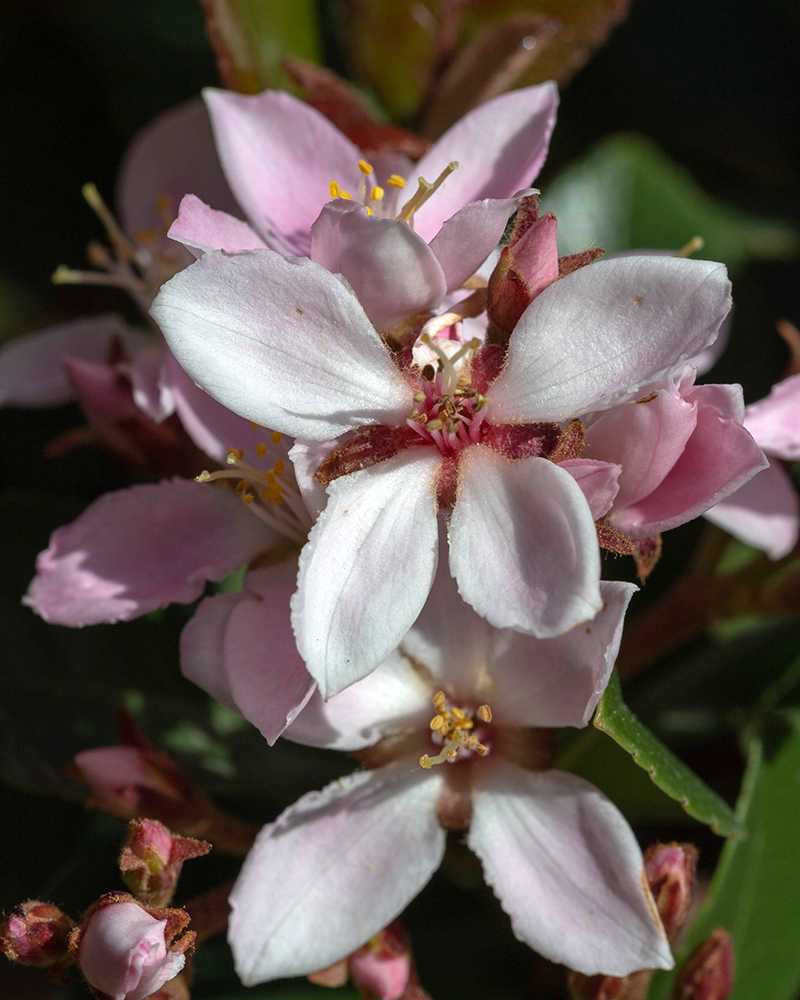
500 147
557 682
764 513
523 545
32 367
205 228
279 156
719 458
596 336
393 271
566 868
367 568
298 903
775 420
245 649
282 342
143 548
599 482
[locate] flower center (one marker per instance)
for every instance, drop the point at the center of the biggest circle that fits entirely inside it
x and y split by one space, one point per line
377 201
452 726
270 493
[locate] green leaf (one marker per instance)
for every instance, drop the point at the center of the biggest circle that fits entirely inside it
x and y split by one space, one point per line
627 195
671 775
754 892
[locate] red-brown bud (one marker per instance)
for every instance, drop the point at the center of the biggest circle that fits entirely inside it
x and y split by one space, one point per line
152 858
708 974
670 870
35 933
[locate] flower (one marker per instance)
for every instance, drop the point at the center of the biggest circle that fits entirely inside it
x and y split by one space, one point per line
765 512
560 857
286 344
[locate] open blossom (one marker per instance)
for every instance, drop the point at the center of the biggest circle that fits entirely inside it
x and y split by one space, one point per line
451 723
765 513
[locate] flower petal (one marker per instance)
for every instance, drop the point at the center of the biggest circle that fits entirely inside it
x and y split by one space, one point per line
500 148
281 342
32 367
566 867
367 568
523 544
299 903
597 335
764 513
557 682
206 228
599 482
279 156
143 548
775 421
393 271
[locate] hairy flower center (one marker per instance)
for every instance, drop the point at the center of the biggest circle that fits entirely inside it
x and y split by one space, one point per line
377 201
453 727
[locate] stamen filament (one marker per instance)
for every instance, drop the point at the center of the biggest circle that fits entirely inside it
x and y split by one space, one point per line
424 191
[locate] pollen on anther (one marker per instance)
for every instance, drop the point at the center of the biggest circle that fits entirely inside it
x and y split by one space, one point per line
396 181
437 722
277 437
377 193
484 713
364 167
333 187
261 449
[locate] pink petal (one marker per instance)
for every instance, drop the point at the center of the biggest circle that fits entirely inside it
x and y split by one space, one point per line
764 513
566 867
333 870
172 156
536 254
596 336
523 545
281 342
393 271
646 438
149 392
468 237
280 156
500 148
367 568
718 459
140 549
244 649
206 228
775 421
599 482
32 367
100 390
727 400
557 682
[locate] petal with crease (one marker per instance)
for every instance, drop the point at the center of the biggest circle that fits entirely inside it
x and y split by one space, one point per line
566 867
597 335
299 902
207 228
599 482
143 548
281 342
523 544
367 568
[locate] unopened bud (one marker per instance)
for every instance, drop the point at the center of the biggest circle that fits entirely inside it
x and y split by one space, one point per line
152 858
381 968
632 987
670 870
708 974
35 933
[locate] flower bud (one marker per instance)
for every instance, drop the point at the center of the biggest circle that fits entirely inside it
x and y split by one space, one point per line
35 933
381 968
708 974
670 872
152 858
126 952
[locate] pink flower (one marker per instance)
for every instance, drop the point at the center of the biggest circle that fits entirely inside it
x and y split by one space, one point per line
286 344
765 513
123 952
342 863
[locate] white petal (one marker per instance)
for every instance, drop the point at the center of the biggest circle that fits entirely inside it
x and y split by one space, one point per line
333 870
566 867
367 568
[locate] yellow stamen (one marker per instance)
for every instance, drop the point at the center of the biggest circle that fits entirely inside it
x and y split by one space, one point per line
261 449
333 187
254 425
396 181
377 193
484 713
279 467
695 243
235 455
364 167
346 195
277 437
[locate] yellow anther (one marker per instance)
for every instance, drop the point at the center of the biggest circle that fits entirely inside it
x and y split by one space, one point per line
695 243
364 167
235 455
435 425
280 468
368 210
270 477
346 195
277 437
419 397
425 761
484 713
459 714
481 750
254 425
333 187
242 486
261 449
204 477
437 722
451 755
377 193
396 181
248 498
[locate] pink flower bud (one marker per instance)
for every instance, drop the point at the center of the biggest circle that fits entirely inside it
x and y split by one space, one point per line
125 778
382 967
124 952
35 933
152 858
670 872
708 975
